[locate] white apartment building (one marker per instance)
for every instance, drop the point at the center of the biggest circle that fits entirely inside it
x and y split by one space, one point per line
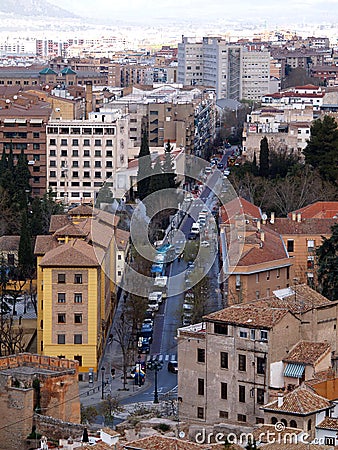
233 70
83 155
256 74
190 62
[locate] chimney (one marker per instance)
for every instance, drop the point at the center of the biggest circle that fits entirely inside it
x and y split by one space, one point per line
280 399
294 217
272 219
299 217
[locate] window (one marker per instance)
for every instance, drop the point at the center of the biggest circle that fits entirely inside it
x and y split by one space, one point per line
201 355
260 366
293 424
264 335
52 153
241 417
61 277
77 298
86 143
52 163
224 360
75 163
61 297
75 142
77 338
200 386
97 174
36 135
61 318
200 413
243 334
97 142
310 245
97 164
77 318
64 142
290 245
86 174
268 275
278 273
97 153
52 141
274 420
109 163
220 328
310 262
257 295
78 278
224 391
259 420
75 174
61 338
260 396
223 415
109 153
241 393
242 363
252 335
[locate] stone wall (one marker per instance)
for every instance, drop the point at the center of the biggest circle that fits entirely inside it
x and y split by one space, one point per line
57 429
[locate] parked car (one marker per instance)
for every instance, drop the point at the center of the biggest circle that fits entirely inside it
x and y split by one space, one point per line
153 304
145 345
156 295
205 244
173 366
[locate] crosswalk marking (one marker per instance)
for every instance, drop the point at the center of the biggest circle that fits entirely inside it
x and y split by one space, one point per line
162 357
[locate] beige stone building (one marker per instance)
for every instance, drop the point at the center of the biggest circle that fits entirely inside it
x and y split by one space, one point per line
242 356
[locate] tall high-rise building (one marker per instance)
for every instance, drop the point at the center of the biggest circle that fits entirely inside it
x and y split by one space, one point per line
233 70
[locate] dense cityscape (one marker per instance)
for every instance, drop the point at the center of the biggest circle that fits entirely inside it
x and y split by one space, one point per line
168 228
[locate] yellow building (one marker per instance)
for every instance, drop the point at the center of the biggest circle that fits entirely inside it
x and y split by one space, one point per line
76 286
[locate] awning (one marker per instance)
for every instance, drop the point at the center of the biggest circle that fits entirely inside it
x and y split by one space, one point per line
294 370
36 121
22 121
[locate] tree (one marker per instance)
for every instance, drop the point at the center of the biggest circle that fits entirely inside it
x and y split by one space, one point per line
144 168
22 177
36 219
168 168
109 407
157 178
123 336
88 414
104 197
25 252
322 149
255 169
264 158
327 255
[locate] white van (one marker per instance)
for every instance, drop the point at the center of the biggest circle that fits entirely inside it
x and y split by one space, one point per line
195 228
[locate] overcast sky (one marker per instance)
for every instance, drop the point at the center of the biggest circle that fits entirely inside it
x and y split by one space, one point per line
146 10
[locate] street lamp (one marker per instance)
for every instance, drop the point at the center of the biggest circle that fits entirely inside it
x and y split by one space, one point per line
155 365
102 381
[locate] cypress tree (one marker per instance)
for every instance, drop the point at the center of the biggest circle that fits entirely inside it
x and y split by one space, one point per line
144 168
157 177
168 168
254 165
25 253
22 177
264 158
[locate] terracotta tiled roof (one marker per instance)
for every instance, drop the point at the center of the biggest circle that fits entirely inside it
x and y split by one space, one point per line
44 243
157 442
106 217
328 423
307 352
310 227
81 210
122 238
9 243
262 432
239 206
76 253
58 221
69 230
248 316
301 401
318 210
271 249
297 299
321 376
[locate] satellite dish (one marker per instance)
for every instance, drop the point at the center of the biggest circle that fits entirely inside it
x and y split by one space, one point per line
264 216
8 100
15 97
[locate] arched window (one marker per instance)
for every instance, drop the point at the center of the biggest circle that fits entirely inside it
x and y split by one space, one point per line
293 424
309 425
274 420
284 422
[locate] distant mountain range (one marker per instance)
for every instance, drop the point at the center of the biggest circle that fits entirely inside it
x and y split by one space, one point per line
37 8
